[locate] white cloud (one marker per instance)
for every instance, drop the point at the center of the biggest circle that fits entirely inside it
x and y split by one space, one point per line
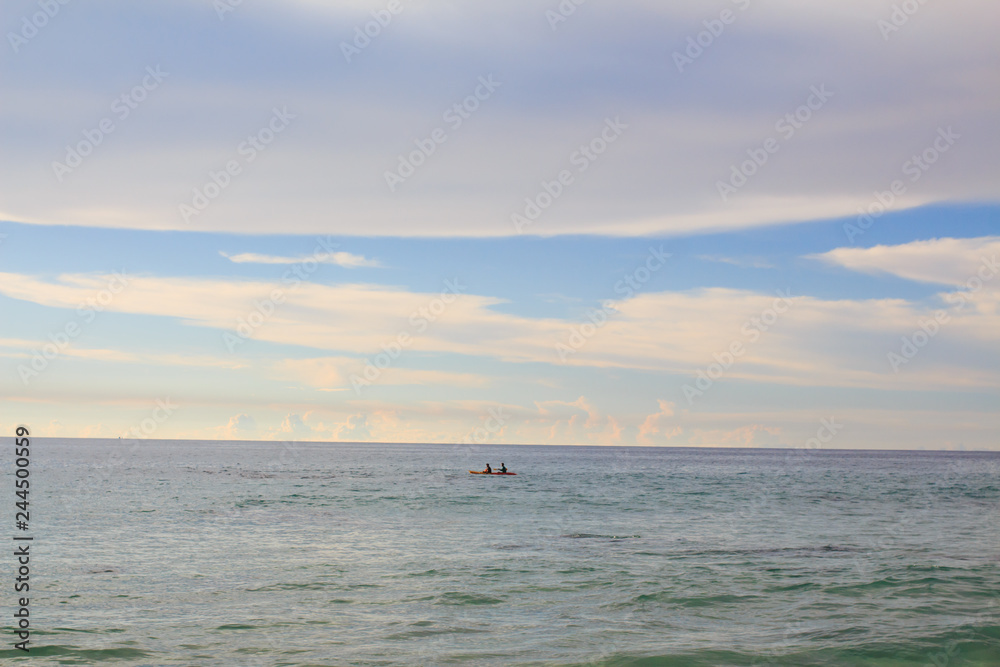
240 427
354 429
742 262
344 259
25 349
751 435
816 342
945 261
325 173
295 427
337 372
659 427
576 422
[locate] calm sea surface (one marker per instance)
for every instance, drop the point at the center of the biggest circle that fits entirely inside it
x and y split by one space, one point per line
212 553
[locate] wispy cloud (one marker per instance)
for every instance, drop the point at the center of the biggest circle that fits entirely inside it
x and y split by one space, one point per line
944 261
345 259
819 342
333 373
742 262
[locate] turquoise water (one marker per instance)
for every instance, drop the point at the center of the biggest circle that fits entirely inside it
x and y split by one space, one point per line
210 553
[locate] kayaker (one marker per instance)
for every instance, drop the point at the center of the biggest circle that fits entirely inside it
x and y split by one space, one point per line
503 468
489 470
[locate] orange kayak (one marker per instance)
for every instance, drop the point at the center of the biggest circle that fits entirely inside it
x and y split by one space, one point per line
481 472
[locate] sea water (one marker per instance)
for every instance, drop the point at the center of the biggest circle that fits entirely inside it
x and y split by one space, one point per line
251 553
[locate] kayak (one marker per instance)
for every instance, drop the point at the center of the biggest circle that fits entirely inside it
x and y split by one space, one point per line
481 472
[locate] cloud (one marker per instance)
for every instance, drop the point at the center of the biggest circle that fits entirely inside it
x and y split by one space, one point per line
240 427
326 171
340 317
96 431
343 259
355 429
294 426
817 342
742 262
26 348
660 424
570 423
332 373
752 435
945 261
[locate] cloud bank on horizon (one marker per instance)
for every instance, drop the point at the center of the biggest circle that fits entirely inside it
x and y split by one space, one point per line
417 118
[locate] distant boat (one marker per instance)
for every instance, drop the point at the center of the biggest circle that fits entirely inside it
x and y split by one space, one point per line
483 472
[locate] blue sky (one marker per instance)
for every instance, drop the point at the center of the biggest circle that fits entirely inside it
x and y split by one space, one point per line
268 266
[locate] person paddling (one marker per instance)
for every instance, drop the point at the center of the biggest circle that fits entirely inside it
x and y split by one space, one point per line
503 468
489 470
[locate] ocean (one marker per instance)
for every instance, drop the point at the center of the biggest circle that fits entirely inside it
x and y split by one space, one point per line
254 553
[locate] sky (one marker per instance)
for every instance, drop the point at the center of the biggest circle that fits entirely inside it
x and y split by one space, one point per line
741 223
